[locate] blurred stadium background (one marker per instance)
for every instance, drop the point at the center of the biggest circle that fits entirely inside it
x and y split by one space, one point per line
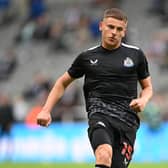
39 40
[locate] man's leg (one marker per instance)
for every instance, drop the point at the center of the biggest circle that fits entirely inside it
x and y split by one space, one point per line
103 156
122 155
100 141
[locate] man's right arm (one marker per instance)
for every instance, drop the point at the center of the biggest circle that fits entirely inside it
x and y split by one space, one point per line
44 117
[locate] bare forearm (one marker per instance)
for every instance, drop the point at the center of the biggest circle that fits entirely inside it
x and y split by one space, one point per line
146 93
147 89
44 117
139 104
54 96
57 92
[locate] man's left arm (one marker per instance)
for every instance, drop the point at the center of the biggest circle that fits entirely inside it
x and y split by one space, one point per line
145 95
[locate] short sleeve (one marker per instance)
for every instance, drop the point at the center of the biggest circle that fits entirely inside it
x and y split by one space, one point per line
76 70
142 69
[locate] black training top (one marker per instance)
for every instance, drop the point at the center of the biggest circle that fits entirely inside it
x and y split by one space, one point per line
111 79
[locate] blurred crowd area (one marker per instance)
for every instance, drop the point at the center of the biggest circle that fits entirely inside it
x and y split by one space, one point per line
40 38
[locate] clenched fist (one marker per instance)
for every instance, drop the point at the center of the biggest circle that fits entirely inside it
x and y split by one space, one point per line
44 118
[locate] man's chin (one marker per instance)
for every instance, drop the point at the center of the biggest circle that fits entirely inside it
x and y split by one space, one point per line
112 45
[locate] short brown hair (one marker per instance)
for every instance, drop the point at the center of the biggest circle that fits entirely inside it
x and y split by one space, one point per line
115 13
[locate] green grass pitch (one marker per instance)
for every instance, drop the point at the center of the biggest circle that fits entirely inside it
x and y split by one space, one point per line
71 165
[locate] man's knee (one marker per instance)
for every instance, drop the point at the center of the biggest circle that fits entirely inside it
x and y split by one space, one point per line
103 154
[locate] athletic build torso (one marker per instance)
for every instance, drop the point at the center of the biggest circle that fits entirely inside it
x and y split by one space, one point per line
111 78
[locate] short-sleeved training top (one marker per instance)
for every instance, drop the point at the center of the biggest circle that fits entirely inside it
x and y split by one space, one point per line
111 78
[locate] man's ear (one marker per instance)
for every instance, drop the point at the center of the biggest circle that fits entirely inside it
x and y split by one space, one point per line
125 30
100 25
124 33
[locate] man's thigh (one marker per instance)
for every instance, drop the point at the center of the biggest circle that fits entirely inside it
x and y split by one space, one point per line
122 153
99 133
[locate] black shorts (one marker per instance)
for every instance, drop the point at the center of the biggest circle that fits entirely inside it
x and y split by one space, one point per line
106 130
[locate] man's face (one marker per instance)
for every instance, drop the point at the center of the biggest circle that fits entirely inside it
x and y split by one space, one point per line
113 30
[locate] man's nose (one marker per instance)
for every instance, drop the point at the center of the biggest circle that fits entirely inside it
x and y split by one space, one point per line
114 31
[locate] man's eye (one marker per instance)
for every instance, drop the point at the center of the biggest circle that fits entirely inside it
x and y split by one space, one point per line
119 28
111 27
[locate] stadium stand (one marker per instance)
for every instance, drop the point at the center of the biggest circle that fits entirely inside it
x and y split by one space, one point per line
36 56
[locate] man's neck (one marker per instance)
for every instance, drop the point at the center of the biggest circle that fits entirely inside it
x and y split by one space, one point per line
110 47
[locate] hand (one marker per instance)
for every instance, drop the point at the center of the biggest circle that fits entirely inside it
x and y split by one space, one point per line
138 104
44 118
